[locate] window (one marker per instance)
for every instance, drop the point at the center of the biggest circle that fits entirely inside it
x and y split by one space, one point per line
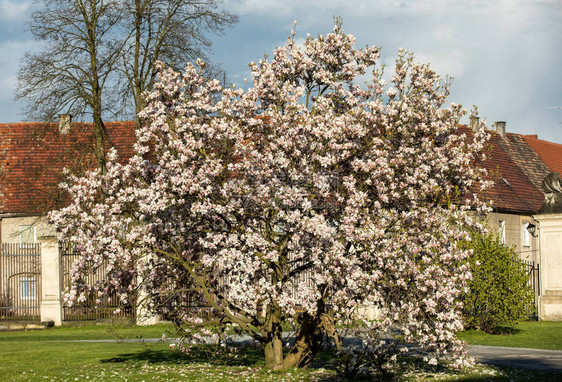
28 289
526 235
501 232
27 236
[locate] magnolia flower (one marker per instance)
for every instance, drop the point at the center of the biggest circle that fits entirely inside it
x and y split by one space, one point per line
301 191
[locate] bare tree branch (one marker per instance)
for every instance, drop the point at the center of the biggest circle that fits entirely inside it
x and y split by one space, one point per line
99 56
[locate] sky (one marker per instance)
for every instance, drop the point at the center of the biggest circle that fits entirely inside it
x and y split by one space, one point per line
505 55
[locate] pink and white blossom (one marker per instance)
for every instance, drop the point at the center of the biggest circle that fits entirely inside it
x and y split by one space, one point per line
303 198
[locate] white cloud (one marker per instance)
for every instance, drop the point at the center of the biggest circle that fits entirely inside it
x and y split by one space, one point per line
504 54
378 8
7 86
14 10
276 8
12 52
450 63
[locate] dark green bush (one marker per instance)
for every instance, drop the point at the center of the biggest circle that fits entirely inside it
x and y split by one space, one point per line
499 294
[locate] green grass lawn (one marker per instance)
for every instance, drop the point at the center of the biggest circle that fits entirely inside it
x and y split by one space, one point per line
528 334
54 355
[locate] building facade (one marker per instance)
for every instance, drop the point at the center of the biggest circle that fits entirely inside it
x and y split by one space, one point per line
33 155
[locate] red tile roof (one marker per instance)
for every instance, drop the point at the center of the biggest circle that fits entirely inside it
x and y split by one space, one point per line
550 152
33 155
512 191
526 159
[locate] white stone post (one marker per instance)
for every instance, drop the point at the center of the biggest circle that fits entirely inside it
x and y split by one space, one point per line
144 316
51 281
550 301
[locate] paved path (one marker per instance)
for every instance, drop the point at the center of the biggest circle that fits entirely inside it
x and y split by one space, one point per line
535 359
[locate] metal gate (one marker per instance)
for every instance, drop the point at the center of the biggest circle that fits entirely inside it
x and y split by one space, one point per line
20 282
109 307
533 271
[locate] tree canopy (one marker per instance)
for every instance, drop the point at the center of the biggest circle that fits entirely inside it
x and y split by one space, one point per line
304 200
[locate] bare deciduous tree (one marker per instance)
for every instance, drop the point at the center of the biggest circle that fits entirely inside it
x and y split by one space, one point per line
174 31
100 55
70 73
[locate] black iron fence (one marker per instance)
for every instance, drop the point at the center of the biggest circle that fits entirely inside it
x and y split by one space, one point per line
109 306
180 297
533 271
20 289
20 282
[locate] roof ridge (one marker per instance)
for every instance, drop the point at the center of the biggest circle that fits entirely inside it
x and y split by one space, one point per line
532 137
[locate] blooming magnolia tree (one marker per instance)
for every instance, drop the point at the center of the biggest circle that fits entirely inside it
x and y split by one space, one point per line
302 200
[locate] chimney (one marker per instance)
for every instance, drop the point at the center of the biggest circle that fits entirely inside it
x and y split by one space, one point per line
500 128
474 123
64 123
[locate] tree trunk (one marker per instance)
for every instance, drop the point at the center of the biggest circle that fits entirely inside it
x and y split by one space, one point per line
274 354
137 81
273 343
308 343
91 20
99 148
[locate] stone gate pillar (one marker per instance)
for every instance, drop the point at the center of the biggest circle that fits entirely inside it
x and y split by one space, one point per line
144 316
51 281
550 301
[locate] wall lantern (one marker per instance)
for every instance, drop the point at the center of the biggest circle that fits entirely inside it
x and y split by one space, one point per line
532 229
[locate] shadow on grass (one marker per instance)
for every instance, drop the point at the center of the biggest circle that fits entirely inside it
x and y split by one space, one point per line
505 331
198 354
253 357
497 331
